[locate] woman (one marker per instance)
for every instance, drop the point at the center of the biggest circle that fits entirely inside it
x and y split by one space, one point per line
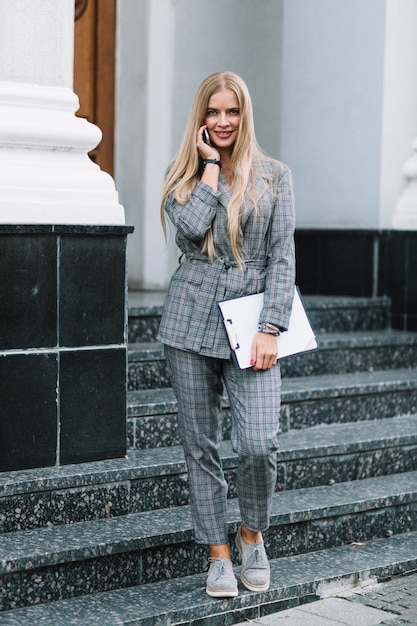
232 208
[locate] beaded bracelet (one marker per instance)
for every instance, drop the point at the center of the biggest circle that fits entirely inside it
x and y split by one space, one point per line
269 329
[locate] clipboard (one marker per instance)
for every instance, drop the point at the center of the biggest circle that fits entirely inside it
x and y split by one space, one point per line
241 317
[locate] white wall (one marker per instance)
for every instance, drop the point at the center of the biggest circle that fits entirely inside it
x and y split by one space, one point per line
335 97
164 51
243 36
349 107
332 109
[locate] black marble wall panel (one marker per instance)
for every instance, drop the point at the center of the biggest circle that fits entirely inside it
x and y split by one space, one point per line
28 286
335 262
411 272
28 421
398 277
392 262
364 264
92 293
92 405
62 344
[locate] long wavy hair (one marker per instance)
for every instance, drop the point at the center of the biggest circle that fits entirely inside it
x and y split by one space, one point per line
185 169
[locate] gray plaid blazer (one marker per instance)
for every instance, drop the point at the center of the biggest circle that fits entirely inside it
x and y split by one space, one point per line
191 319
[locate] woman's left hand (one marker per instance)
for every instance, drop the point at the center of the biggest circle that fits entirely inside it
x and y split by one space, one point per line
264 351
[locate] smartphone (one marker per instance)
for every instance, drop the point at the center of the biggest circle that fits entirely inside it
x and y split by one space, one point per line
206 137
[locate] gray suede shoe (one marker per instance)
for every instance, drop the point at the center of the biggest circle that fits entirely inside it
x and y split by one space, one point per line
221 581
255 571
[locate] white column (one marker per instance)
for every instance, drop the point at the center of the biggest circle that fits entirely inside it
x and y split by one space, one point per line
399 114
405 217
46 175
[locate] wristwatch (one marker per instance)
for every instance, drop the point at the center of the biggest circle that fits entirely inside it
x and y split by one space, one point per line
215 161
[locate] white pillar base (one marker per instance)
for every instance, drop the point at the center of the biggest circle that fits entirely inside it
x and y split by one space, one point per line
46 175
405 217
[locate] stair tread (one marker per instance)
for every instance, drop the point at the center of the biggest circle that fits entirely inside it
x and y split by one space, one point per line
145 299
323 439
358 382
341 301
315 441
184 599
162 400
359 339
29 549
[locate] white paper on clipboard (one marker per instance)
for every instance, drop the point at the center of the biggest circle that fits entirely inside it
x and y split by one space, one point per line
241 318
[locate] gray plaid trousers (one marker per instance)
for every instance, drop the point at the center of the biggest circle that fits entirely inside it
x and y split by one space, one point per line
255 399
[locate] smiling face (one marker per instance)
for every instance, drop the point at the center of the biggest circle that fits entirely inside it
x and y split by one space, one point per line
223 119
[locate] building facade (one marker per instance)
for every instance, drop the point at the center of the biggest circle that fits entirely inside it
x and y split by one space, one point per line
335 97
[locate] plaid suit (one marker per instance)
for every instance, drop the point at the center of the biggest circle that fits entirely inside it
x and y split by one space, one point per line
198 351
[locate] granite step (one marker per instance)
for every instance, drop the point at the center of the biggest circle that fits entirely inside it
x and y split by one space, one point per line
326 313
157 478
319 455
118 533
338 353
295 580
49 564
306 401
347 314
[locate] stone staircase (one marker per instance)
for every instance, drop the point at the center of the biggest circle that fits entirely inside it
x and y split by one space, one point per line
111 542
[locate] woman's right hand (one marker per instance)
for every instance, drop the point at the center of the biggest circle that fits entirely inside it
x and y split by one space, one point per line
205 150
211 172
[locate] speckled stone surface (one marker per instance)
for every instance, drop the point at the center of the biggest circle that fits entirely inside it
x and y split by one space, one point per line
70 579
350 397
316 456
156 478
307 401
326 314
144 314
32 510
184 601
338 353
119 535
159 544
345 314
143 327
154 431
147 367
153 420
355 352
347 452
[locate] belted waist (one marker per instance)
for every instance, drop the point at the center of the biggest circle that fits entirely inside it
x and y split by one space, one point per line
224 260
209 287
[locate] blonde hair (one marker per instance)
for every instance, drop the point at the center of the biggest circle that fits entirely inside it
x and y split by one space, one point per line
185 169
